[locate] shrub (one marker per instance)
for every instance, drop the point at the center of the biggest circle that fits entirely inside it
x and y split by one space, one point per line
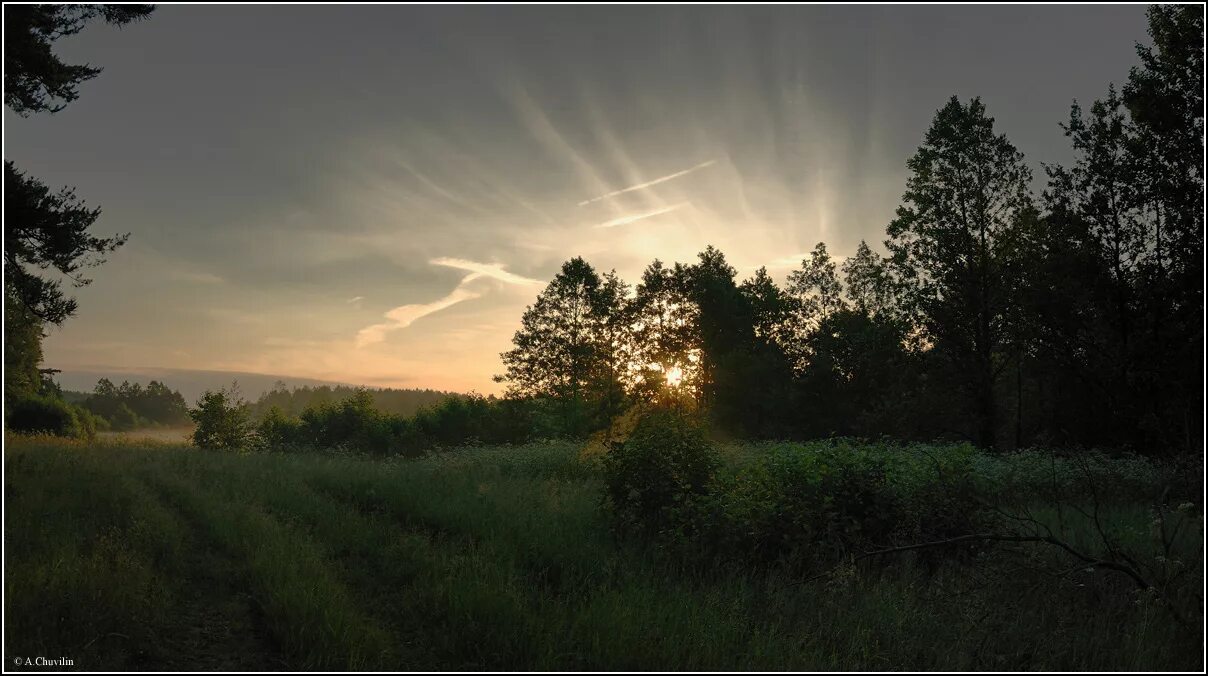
801 504
815 503
48 414
653 477
125 419
279 432
222 421
352 424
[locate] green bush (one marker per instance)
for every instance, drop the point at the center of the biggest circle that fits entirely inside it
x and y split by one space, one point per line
815 502
279 432
654 477
352 424
48 414
800 504
222 421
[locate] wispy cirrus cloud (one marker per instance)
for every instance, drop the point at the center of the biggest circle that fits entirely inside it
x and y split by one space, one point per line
647 184
405 315
626 220
492 270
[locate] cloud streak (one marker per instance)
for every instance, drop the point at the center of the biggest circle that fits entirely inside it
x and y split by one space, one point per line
492 270
647 184
625 220
405 315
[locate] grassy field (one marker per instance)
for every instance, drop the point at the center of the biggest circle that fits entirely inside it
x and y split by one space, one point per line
132 554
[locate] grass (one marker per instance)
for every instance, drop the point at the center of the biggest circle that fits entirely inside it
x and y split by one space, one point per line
131 554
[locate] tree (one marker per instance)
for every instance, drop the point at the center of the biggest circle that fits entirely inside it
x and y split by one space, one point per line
566 348
34 77
951 243
772 309
868 282
22 349
816 293
222 420
723 331
44 230
664 337
1165 100
1115 304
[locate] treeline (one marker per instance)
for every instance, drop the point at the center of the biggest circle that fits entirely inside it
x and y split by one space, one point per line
131 406
292 402
1074 317
356 424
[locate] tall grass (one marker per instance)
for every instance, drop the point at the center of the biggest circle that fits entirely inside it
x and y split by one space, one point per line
500 558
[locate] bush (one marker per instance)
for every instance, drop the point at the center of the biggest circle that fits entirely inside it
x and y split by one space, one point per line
279 432
222 421
48 414
801 504
654 477
812 503
352 424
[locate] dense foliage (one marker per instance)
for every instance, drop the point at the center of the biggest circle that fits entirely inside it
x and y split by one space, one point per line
490 559
49 414
221 420
652 476
1074 318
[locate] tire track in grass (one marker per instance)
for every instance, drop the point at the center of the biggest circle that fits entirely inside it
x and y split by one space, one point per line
558 555
308 610
470 599
215 626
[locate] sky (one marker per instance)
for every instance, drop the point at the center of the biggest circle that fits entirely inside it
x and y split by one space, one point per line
374 194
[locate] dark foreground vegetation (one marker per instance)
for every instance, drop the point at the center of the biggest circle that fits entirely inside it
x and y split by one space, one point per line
529 557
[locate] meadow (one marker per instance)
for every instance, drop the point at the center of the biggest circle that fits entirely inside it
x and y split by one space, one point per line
135 553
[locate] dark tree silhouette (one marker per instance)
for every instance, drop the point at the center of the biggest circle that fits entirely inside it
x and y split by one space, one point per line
35 79
566 348
964 201
45 230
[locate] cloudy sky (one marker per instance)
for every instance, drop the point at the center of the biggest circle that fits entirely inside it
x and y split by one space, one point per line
374 194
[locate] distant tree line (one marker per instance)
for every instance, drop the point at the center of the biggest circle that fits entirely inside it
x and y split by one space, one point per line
357 423
1074 317
293 401
131 406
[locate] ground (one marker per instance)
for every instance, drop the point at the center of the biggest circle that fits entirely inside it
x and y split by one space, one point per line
137 554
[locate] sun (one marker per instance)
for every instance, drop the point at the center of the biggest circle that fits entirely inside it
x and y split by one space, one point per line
675 375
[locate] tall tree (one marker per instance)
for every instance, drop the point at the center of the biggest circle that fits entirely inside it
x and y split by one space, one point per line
869 285
965 198
566 346
665 338
44 230
817 293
